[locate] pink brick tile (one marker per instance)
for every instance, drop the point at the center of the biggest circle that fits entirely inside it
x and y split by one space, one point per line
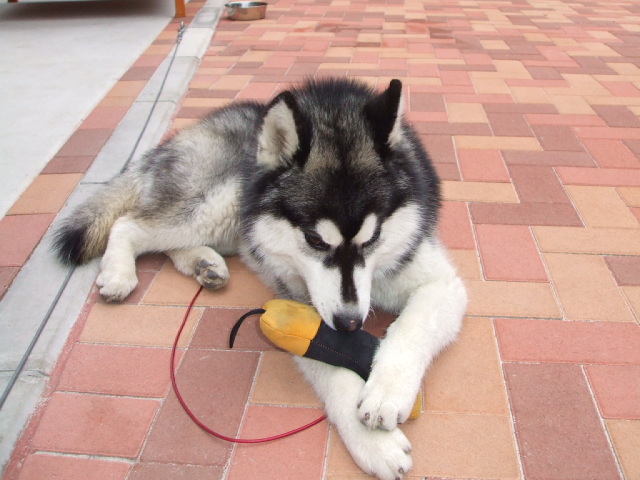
46 194
611 153
41 466
455 226
619 133
482 166
301 456
610 177
116 370
565 119
215 385
617 389
509 252
550 159
19 235
557 426
523 340
95 425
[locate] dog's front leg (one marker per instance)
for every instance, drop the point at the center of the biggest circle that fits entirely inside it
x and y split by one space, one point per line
385 454
429 322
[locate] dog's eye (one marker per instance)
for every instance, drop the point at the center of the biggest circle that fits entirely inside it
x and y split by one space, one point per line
315 241
373 239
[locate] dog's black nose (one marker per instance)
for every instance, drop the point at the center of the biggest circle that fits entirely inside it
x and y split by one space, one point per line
347 322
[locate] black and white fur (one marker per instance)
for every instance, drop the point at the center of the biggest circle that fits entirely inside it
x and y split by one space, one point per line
329 195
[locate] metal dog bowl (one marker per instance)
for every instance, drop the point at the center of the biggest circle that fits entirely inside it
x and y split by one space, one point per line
246 10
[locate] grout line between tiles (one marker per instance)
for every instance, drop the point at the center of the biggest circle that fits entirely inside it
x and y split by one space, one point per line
602 421
506 391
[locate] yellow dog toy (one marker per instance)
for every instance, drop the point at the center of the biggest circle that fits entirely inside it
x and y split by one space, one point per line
299 329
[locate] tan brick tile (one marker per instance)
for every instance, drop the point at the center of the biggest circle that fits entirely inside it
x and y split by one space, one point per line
512 299
601 207
603 241
569 104
467 263
625 436
586 288
244 289
466 113
467 377
137 325
279 382
447 442
632 294
205 102
490 85
46 194
479 192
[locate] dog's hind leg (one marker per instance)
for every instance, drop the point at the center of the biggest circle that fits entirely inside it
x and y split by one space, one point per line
204 263
128 239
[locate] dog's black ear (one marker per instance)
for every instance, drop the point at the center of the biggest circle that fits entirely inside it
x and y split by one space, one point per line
284 139
384 113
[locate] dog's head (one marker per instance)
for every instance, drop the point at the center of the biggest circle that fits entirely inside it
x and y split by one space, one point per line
334 194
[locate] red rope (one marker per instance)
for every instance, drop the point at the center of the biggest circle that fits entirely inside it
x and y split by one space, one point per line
193 416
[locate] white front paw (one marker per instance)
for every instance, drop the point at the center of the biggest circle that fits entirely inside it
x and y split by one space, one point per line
386 455
383 404
116 286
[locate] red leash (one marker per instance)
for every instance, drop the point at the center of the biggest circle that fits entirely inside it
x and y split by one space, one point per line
193 416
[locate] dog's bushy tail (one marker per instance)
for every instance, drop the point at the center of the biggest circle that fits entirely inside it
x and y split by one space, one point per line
83 235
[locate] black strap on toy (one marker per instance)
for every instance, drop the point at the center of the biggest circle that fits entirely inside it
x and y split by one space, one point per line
236 327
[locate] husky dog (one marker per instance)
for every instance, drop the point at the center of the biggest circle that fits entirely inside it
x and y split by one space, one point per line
329 195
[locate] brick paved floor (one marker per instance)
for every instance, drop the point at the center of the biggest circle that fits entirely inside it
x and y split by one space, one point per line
530 109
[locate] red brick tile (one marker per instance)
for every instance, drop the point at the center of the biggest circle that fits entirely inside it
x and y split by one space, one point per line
568 342
426 102
167 471
440 148
617 115
509 252
557 426
215 326
537 184
77 164
455 226
551 214
482 166
7 274
509 124
611 153
116 370
610 177
85 142
617 389
139 72
625 269
40 466
565 119
19 235
95 425
215 385
557 137
301 456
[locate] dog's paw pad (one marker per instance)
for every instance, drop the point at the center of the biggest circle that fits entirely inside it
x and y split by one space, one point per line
210 275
